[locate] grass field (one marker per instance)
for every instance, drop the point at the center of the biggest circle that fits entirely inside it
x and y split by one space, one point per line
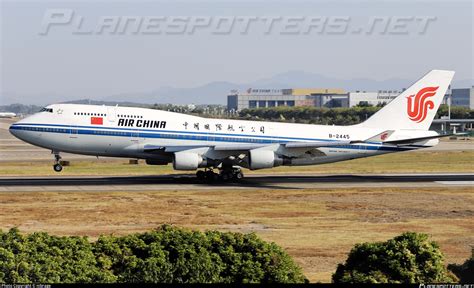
407 162
317 227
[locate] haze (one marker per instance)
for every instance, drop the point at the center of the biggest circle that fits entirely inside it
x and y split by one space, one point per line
63 66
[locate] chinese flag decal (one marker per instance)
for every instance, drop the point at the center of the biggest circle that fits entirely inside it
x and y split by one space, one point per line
97 120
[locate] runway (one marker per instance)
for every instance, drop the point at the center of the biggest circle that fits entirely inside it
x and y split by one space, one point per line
186 181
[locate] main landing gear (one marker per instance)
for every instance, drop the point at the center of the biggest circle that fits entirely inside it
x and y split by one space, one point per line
234 174
57 162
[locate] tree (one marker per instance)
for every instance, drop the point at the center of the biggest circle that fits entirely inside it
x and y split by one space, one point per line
408 258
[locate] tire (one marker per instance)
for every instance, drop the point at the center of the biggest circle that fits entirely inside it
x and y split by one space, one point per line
225 177
200 175
57 167
239 176
211 176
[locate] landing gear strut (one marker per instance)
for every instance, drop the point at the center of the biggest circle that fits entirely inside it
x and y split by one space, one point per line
57 162
230 174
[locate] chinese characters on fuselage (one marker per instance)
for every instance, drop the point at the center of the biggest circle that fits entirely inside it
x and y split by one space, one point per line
220 127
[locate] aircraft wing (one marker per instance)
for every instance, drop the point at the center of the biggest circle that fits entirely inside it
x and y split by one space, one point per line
169 148
317 144
246 146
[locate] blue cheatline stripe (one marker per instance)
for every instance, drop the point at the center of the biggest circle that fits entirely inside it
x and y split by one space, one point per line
187 132
66 129
174 131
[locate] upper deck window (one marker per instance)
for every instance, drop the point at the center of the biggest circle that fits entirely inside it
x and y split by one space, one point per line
50 110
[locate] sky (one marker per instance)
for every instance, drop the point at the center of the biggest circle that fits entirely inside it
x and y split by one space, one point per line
45 51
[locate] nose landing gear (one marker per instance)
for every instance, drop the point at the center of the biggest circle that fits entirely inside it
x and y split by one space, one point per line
57 162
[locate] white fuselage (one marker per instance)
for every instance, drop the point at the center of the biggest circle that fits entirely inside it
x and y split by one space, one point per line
127 132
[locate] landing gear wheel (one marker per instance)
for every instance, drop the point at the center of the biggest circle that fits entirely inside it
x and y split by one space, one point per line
58 167
238 176
211 176
200 175
226 176
57 161
231 174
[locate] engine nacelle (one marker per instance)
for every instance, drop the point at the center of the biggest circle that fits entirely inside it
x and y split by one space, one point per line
186 161
261 159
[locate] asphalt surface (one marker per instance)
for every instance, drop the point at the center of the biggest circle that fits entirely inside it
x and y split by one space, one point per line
186 181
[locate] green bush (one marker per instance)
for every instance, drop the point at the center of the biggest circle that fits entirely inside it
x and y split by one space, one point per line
465 271
165 255
408 258
39 257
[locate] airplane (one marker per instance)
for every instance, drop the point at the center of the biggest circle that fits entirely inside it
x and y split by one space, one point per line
226 145
7 114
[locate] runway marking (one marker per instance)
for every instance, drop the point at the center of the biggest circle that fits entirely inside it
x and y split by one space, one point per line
456 182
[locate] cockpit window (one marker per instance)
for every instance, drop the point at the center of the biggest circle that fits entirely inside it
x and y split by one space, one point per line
50 110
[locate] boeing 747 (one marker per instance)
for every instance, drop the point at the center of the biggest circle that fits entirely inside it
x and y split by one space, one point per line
225 145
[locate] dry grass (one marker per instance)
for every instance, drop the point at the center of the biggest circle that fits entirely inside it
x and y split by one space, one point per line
316 226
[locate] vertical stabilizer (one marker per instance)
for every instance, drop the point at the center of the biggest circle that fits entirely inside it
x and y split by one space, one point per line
415 107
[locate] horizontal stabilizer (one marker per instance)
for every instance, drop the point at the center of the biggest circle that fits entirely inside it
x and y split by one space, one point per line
381 137
418 139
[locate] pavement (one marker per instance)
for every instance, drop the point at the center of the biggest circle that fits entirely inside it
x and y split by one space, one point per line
254 182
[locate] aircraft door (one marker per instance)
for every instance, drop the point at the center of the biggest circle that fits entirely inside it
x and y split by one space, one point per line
111 114
135 136
73 132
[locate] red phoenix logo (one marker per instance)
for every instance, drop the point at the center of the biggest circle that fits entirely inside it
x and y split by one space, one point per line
418 106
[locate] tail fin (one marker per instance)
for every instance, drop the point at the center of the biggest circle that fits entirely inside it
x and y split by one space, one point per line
415 107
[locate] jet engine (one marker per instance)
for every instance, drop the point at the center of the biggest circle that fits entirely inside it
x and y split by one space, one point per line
261 159
187 161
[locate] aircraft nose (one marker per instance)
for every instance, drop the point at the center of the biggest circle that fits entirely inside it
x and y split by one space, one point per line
13 129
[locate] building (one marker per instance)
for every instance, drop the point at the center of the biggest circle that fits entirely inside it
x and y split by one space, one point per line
372 98
262 98
330 98
446 125
463 97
